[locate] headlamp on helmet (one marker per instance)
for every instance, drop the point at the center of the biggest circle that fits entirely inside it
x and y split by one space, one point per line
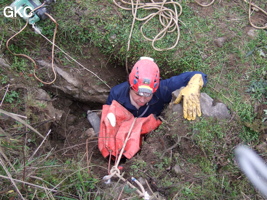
144 77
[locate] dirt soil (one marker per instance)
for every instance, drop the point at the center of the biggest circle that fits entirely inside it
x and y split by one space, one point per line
70 136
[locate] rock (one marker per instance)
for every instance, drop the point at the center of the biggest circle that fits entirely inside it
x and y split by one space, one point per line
89 133
177 169
73 81
142 181
71 119
208 107
220 41
262 148
80 85
41 109
58 114
218 110
43 100
3 63
252 33
178 108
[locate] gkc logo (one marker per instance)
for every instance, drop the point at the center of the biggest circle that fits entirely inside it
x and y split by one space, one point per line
23 12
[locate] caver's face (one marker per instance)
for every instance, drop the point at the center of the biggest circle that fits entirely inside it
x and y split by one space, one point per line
138 100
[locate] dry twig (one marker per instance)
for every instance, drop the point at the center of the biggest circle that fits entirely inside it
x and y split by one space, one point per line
21 121
10 178
40 145
4 95
27 183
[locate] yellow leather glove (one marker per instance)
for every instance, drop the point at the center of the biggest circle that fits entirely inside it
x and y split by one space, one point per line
191 96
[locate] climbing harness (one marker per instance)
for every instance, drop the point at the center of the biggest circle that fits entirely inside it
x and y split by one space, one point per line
253 166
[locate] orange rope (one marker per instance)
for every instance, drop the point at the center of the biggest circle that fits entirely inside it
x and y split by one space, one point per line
28 57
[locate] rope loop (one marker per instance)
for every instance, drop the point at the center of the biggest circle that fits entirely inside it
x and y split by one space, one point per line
205 5
252 6
114 170
28 57
168 18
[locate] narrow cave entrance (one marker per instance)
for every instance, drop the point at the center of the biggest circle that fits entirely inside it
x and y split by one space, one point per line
70 135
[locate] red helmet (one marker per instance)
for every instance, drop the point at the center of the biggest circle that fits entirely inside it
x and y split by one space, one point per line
144 77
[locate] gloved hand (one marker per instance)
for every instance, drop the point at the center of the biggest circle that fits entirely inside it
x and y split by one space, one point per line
191 97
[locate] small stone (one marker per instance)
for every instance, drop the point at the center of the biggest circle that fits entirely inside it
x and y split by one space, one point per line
177 169
113 37
220 41
3 63
58 114
90 133
252 32
209 108
262 147
142 181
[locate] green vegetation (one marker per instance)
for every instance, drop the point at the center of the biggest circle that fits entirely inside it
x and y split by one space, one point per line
237 77
11 97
